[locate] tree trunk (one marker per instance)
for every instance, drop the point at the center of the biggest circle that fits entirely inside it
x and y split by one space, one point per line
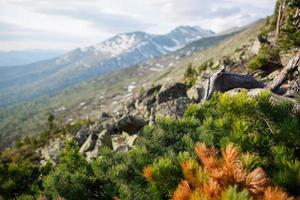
278 21
283 76
223 81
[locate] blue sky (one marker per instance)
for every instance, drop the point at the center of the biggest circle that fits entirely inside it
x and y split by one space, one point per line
68 24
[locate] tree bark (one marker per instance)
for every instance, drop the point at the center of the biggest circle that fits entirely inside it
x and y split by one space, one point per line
283 76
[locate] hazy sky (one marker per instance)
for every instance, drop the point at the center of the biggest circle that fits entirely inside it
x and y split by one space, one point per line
67 24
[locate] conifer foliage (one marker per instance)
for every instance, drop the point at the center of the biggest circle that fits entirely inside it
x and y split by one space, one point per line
224 178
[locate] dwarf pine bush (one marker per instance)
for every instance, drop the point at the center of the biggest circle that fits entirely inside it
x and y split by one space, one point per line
266 136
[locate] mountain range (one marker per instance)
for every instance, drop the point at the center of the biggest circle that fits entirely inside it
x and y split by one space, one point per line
23 57
123 50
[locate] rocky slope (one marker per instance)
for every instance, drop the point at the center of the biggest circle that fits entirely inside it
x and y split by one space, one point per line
172 98
89 99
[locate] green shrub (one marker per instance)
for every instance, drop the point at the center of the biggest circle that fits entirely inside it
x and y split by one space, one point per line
268 133
163 178
17 179
190 76
264 56
72 178
206 65
232 193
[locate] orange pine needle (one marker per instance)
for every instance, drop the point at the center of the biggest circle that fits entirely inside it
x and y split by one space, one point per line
183 191
275 193
257 181
207 156
212 189
147 173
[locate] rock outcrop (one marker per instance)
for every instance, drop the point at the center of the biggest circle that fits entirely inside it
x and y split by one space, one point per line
171 92
130 124
82 135
196 93
89 144
174 108
93 144
124 142
50 152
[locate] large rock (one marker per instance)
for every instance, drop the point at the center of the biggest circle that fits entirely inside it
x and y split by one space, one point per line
51 151
147 99
82 135
104 139
144 105
123 142
89 144
256 47
152 91
174 108
130 124
171 92
111 127
196 93
94 142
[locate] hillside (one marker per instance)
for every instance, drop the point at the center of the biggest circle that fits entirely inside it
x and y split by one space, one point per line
205 122
21 83
89 99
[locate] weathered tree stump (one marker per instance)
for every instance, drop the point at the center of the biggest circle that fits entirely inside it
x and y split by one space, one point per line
223 81
284 74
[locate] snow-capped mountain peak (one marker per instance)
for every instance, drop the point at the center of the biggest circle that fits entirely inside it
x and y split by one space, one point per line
127 49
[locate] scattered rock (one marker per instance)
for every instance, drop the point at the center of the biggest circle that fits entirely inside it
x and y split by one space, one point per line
91 155
251 92
171 92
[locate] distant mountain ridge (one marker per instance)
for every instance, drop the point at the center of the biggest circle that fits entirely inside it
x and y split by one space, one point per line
23 57
123 50
128 49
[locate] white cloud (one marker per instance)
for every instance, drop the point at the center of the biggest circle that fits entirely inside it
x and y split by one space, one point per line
71 23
